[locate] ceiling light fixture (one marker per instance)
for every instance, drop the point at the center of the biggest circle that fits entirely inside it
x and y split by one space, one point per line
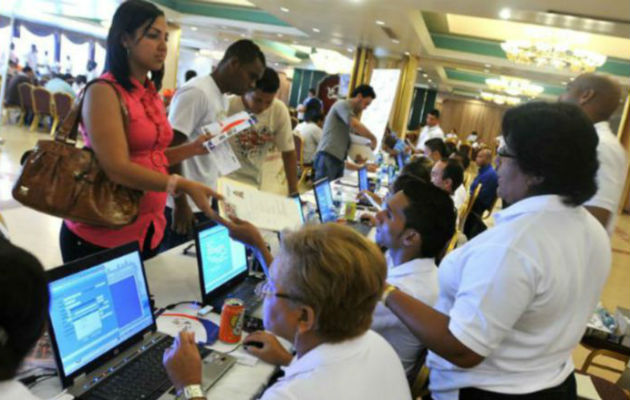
514 86
500 99
407 53
555 55
193 28
316 30
379 22
505 13
284 9
396 41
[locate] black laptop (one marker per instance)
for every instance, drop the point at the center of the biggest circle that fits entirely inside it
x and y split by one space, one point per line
223 268
103 331
326 208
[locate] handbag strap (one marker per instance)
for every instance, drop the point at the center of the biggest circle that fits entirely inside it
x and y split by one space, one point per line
69 129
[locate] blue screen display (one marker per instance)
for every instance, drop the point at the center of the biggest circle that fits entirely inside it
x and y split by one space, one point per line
400 160
221 257
363 179
97 309
323 194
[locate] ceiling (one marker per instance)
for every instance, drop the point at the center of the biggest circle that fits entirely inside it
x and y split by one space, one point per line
457 42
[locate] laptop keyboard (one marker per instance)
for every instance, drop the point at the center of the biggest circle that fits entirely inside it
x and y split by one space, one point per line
246 292
143 378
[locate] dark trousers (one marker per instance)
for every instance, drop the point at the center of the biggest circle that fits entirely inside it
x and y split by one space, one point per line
327 166
172 238
73 247
567 390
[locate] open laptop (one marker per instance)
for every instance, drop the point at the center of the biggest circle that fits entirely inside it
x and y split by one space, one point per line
326 208
223 269
103 331
363 179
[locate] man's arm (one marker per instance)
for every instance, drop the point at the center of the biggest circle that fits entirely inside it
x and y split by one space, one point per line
289 159
362 130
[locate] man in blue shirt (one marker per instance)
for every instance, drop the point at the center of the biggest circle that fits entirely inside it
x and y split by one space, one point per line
489 182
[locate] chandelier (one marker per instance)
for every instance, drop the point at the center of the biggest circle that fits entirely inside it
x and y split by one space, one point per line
514 86
500 99
556 55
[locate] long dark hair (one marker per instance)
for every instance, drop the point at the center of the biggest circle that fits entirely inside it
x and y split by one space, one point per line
129 16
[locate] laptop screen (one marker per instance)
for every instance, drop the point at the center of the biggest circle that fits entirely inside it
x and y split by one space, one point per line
391 173
220 257
323 197
363 179
98 307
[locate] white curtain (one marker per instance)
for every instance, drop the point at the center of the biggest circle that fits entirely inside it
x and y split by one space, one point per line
44 44
99 57
79 55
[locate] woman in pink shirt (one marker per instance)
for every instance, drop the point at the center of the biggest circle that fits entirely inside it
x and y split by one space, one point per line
135 155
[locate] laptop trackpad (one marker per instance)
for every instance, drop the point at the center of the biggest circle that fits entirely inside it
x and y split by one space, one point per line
214 366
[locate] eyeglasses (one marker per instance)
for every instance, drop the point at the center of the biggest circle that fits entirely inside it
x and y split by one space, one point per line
266 288
503 153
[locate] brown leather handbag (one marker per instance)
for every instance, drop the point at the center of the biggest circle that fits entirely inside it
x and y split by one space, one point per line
66 181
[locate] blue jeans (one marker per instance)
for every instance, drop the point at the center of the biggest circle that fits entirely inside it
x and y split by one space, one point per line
327 166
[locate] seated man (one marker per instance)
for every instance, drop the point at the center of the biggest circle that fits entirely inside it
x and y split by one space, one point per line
448 175
415 225
272 133
487 176
320 296
435 149
23 308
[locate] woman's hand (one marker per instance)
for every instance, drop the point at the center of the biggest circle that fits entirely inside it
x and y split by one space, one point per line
201 195
245 232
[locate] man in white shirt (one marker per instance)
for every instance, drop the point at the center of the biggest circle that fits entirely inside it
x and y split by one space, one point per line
414 225
311 133
32 58
598 96
514 301
257 148
319 296
431 130
202 101
448 175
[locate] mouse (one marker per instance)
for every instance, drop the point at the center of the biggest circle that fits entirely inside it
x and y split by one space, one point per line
253 343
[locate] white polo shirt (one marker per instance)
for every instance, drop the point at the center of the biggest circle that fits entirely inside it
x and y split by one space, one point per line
364 368
196 104
520 294
311 136
417 278
12 390
611 174
429 132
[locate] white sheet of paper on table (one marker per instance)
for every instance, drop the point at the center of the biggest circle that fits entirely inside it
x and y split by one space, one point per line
224 158
172 325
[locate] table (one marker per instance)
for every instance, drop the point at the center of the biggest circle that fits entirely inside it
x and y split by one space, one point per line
173 277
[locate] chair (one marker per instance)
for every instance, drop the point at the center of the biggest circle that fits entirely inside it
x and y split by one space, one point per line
43 105
25 90
469 205
63 104
604 353
420 386
304 170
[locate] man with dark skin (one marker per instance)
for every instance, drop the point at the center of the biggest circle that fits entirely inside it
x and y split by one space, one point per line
598 96
200 102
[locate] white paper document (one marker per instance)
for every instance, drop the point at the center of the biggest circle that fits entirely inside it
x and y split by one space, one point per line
224 158
264 210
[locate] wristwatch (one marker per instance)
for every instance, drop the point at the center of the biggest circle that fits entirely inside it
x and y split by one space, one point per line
386 292
191 392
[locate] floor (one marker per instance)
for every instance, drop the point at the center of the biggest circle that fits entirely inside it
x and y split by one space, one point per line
38 233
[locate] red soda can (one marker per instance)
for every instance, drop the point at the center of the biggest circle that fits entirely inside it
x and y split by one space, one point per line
231 326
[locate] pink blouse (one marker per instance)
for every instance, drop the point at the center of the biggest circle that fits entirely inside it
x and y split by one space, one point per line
148 135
